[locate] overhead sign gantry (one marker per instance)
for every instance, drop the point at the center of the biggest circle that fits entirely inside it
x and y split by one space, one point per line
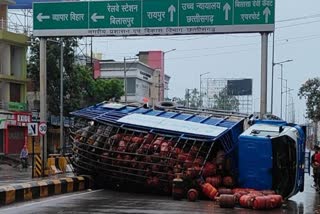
152 17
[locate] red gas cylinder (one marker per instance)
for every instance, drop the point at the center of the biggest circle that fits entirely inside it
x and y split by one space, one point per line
220 157
273 201
246 201
192 195
214 181
225 191
227 201
209 191
164 148
256 193
137 140
122 146
259 203
268 192
209 169
238 195
228 181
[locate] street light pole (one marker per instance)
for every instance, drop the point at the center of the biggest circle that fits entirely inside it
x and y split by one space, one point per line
200 88
281 91
61 99
272 76
163 55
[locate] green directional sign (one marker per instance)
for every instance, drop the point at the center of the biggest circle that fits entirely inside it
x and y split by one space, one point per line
152 17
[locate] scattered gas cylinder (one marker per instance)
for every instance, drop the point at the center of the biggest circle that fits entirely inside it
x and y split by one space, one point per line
225 191
209 191
228 181
246 201
259 203
192 195
177 187
214 181
227 201
273 201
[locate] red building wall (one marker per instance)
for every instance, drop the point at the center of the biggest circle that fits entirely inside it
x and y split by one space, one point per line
155 60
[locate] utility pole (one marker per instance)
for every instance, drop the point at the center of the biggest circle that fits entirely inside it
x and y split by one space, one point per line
264 74
125 80
43 99
125 76
62 147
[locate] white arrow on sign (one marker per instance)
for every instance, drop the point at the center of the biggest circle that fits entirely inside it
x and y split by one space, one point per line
266 13
95 17
40 17
171 10
226 9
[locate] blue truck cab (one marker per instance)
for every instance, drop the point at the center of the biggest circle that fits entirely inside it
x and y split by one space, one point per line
272 156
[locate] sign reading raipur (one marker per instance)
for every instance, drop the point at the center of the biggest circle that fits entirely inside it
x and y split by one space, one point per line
152 17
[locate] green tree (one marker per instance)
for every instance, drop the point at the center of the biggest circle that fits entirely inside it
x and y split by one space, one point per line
179 101
224 101
192 98
310 90
80 89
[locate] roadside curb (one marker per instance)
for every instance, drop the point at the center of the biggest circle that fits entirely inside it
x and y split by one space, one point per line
44 188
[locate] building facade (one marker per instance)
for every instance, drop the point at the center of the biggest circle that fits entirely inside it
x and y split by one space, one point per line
14 116
146 81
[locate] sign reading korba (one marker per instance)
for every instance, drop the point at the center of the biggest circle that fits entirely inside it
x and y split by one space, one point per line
152 17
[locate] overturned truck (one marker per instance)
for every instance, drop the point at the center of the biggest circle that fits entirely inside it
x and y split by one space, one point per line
144 149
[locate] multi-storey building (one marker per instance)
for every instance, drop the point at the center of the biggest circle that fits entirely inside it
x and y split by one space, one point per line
145 77
13 87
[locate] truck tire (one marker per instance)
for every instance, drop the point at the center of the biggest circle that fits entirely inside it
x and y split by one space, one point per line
165 105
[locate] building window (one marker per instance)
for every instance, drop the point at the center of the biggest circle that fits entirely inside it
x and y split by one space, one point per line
15 92
131 86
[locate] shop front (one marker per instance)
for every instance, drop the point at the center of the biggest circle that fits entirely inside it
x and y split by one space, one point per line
15 132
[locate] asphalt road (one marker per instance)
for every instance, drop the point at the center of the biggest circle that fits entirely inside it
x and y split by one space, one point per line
106 201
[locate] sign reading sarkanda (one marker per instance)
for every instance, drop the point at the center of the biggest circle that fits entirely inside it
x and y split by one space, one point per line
152 17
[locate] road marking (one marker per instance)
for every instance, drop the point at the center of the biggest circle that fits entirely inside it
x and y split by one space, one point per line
43 200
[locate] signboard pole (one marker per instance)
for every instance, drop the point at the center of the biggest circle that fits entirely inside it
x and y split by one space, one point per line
43 95
264 74
33 156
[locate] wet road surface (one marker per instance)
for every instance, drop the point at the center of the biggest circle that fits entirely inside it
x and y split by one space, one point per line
106 201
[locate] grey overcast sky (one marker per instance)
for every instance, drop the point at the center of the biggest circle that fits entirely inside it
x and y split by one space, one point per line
236 55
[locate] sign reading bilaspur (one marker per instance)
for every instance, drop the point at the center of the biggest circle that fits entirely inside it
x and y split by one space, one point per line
152 17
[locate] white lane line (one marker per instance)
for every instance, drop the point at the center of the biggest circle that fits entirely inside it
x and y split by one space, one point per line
44 200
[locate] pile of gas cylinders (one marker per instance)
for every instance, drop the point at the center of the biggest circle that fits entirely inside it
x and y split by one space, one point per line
185 168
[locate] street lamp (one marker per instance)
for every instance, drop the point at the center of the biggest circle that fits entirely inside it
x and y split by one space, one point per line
272 77
200 87
163 55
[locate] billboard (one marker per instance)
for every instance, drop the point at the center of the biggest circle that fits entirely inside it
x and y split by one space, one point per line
27 4
239 87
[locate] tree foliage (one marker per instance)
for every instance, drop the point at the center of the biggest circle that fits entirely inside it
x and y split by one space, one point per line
310 90
80 89
224 101
192 98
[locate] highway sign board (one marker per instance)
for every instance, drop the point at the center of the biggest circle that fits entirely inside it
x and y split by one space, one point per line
42 128
33 129
152 17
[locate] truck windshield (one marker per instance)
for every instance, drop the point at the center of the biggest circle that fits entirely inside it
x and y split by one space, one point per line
284 165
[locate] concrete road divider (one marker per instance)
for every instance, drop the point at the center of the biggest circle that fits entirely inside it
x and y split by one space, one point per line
44 188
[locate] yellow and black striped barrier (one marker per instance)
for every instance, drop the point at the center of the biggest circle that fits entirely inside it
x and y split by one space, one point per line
45 188
38 168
